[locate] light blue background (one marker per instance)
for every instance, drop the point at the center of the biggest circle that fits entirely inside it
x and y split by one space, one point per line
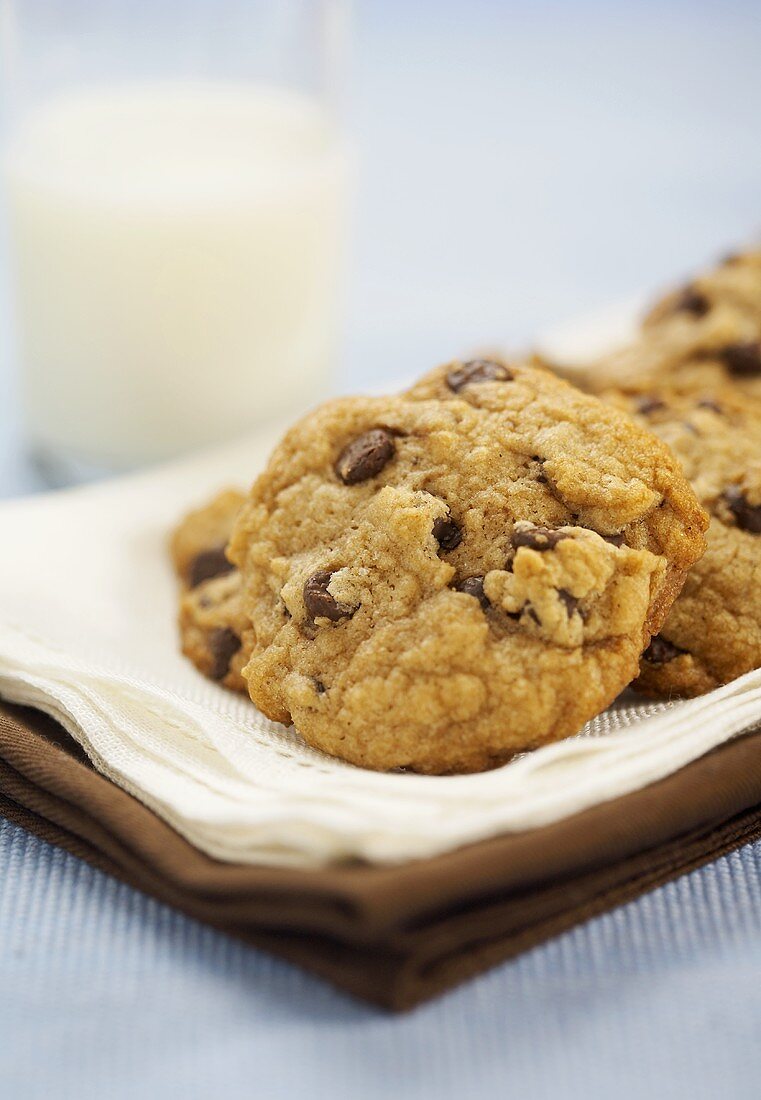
521 163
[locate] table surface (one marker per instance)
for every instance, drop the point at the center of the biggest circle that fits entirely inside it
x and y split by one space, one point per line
520 164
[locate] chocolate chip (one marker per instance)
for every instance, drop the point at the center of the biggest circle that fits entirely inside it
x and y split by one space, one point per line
319 687
614 540
707 403
223 645
571 603
691 300
742 360
474 586
478 370
660 651
319 602
208 564
747 515
447 533
538 538
647 405
365 456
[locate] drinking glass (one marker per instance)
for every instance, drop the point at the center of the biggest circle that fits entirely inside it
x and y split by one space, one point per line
176 183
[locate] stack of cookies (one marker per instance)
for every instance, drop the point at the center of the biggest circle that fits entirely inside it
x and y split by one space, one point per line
478 566
441 579
693 377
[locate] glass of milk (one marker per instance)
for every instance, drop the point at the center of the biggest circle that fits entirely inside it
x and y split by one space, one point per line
176 190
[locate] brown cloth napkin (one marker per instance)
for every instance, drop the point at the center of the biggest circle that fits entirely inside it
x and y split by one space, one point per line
396 936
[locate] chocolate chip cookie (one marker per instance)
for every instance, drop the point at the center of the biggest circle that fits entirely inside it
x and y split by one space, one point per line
713 632
198 543
700 336
439 580
213 627
734 282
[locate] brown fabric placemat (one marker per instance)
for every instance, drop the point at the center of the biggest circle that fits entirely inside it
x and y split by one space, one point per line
392 935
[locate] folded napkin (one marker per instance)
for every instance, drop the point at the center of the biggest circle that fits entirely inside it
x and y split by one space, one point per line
393 935
87 635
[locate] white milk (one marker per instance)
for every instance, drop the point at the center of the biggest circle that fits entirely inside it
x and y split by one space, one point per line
178 252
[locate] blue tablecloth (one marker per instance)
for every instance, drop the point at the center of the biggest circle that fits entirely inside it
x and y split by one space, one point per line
107 994
520 163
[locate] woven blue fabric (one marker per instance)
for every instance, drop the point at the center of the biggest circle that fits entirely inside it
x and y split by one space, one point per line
107 994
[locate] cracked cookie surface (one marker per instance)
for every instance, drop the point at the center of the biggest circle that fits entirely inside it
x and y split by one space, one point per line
213 627
713 632
439 580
